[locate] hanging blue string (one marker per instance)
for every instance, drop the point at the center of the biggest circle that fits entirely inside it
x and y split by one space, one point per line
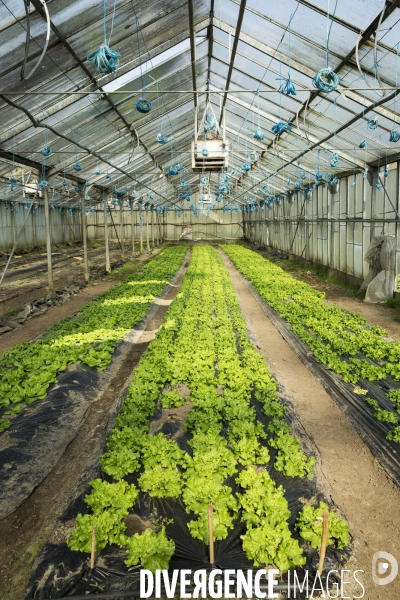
395 135
362 144
326 80
142 105
105 60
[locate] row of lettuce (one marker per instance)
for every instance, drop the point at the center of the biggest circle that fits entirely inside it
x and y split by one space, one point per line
342 341
28 369
203 347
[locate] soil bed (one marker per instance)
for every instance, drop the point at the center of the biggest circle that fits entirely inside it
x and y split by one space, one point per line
359 485
26 530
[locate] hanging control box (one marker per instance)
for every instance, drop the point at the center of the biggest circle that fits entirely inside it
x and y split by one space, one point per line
210 155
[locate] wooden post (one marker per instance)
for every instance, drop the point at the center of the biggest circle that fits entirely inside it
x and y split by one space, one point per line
211 532
121 225
93 550
147 230
133 230
48 240
84 236
325 532
108 265
141 231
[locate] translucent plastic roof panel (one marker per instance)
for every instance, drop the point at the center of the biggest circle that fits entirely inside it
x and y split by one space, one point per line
107 125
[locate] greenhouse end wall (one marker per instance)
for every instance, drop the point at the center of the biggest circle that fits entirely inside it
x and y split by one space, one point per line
332 229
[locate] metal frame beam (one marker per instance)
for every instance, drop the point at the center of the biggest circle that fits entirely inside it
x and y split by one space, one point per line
242 8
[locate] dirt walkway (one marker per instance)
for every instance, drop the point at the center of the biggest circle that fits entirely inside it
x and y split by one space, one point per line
360 487
25 531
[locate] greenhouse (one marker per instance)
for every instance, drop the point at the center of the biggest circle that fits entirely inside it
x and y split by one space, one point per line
199 307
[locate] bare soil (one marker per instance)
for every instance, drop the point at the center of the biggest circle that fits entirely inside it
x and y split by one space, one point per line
26 530
360 487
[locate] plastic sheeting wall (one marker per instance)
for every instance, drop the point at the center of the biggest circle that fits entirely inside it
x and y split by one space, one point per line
332 229
64 227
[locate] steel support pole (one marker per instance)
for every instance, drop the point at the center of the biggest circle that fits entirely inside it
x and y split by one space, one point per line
152 225
133 230
141 231
147 231
84 237
121 230
48 240
107 246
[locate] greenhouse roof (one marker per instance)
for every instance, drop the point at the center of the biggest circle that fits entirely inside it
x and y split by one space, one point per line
179 55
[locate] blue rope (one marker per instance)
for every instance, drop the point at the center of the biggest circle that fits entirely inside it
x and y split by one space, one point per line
373 123
105 60
334 162
209 123
287 87
394 136
281 127
362 144
142 105
161 138
326 80
258 134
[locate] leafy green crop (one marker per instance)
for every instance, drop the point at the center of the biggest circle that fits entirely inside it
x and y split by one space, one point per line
172 399
268 539
344 342
203 345
394 434
151 550
4 424
309 525
90 338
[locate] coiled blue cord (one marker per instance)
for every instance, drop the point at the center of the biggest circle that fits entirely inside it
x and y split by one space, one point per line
334 162
326 80
161 138
258 134
394 136
143 105
281 127
373 123
77 166
105 60
246 166
209 123
362 144
46 151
